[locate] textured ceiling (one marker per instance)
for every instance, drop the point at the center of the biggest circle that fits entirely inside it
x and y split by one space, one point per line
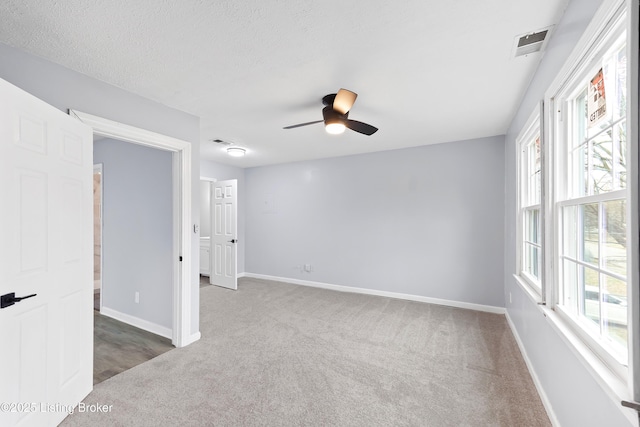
425 71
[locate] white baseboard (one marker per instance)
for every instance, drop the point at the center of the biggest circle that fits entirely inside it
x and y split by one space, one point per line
241 275
536 381
342 288
137 322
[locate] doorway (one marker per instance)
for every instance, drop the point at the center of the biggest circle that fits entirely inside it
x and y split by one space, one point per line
182 332
133 324
219 232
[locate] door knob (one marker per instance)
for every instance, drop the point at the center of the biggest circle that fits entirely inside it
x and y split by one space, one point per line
233 241
8 300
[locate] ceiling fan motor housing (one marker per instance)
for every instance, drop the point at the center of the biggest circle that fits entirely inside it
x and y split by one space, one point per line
328 99
332 116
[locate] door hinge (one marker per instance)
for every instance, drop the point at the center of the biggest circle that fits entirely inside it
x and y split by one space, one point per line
180 258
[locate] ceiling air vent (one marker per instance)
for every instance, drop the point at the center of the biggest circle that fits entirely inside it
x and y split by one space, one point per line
531 42
221 142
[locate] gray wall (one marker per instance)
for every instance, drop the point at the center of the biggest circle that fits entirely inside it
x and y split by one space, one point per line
137 230
220 172
426 221
66 89
576 397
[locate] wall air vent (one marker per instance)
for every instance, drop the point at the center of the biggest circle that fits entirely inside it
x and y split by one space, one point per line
528 43
221 142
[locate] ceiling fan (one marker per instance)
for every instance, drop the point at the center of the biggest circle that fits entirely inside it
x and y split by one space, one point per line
336 114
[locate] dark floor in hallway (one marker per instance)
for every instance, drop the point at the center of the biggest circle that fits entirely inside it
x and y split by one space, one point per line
118 346
204 281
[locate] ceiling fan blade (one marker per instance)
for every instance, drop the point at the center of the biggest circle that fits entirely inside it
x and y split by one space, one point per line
303 124
361 127
344 101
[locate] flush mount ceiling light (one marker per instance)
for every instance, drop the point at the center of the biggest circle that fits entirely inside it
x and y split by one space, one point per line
236 151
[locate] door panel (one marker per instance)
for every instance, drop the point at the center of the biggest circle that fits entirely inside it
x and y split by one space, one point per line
224 234
32 220
46 247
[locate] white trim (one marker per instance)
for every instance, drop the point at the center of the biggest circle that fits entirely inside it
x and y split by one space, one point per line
182 204
396 295
534 376
532 292
137 322
584 51
591 341
192 338
609 382
594 198
99 167
633 183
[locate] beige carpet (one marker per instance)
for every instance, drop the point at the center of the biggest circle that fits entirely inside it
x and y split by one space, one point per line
275 354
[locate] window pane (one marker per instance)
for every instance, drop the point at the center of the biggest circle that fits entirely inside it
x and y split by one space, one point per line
620 104
569 297
535 178
614 247
590 289
570 231
601 91
614 310
532 225
588 233
532 172
580 119
579 172
602 163
532 260
620 155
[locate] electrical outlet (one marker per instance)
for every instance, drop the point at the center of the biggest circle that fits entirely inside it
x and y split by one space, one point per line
307 268
137 298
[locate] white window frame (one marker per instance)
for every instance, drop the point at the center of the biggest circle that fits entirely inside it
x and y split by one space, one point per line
532 128
619 381
618 363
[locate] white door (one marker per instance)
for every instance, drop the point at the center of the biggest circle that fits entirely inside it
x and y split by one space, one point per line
224 234
46 238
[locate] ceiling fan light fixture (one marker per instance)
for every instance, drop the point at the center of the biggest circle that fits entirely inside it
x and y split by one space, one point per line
236 151
335 128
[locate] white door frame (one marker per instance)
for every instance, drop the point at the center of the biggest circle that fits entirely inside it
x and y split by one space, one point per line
182 289
211 181
97 167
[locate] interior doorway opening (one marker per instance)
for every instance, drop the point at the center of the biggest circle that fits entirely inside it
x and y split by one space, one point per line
219 232
184 331
133 254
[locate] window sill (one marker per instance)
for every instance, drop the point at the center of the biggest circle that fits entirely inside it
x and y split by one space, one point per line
616 388
531 292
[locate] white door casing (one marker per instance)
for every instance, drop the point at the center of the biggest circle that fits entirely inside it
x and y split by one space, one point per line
46 238
224 234
183 332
